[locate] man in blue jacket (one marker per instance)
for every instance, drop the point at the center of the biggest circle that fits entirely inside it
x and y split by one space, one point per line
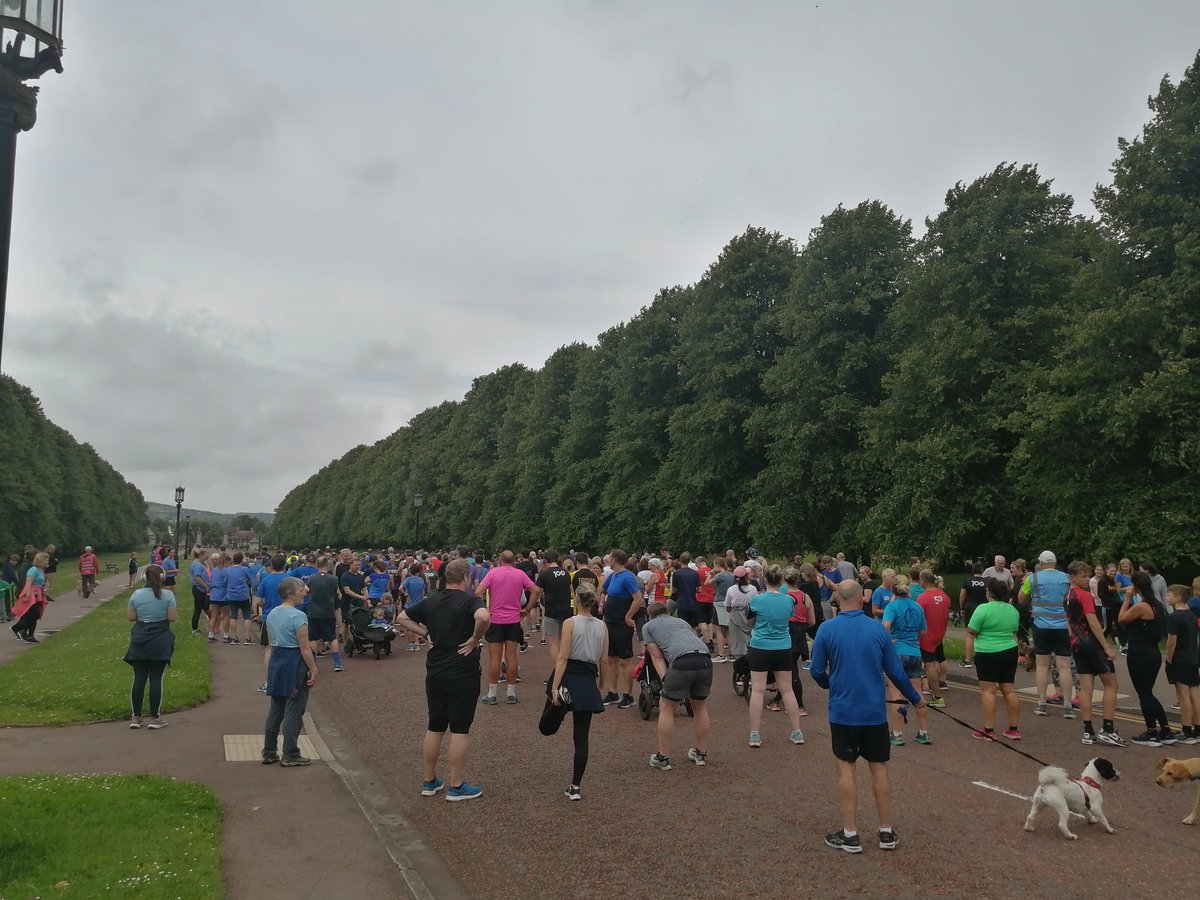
850 656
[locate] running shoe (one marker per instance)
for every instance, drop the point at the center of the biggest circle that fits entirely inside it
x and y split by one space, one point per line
1075 702
896 738
269 759
135 724
888 840
1040 709
289 761
512 700
564 694
1189 737
1055 699
658 761
542 642
1148 739
610 698
775 706
718 659
839 841
430 788
982 734
1089 738
195 632
523 648
923 737
936 702
488 701
1166 736
755 739
796 737
803 712
262 688
965 665
157 723
572 793
807 667
337 668
246 641
626 702
943 686
464 792
1013 734
698 757
1111 738
1069 713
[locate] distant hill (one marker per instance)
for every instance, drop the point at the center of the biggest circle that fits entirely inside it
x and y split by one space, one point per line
167 511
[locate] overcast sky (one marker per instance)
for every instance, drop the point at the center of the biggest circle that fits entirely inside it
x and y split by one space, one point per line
250 236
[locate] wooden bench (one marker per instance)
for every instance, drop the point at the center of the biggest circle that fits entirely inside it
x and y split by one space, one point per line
109 567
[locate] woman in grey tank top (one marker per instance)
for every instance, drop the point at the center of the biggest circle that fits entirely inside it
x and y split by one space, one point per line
583 650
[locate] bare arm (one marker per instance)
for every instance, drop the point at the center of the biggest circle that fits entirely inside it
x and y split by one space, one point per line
634 605
307 654
1172 639
660 662
483 619
409 625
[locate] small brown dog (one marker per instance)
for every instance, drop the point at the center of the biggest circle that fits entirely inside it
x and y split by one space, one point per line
1174 771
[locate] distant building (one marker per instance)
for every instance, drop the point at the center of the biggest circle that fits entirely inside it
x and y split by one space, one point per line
248 540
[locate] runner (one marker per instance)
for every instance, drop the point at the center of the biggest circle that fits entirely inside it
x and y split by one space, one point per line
685 585
505 586
266 598
217 605
198 575
905 623
884 594
770 650
555 585
621 600
1044 591
683 664
1093 656
239 589
89 568
935 604
323 591
292 671
353 594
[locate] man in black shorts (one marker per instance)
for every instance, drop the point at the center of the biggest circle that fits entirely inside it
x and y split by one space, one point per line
685 583
455 622
850 651
621 598
323 594
685 667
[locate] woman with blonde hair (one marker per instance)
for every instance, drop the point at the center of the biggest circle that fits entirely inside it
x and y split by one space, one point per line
32 601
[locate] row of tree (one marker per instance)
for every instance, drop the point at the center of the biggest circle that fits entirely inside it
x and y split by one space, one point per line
55 490
1018 377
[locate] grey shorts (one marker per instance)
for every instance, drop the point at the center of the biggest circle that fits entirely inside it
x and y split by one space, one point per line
689 678
552 627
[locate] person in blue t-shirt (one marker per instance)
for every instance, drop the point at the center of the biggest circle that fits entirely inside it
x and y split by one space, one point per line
905 622
198 575
305 569
239 587
266 598
621 598
850 654
884 594
1044 592
413 587
378 583
770 650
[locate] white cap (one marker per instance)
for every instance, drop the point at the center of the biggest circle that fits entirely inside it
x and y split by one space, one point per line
1047 558
656 562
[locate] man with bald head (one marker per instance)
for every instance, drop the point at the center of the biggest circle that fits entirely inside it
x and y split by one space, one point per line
505 586
850 658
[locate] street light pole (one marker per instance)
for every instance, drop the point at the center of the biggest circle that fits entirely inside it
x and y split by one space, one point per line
178 510
418 502
187 541
39 21
316 534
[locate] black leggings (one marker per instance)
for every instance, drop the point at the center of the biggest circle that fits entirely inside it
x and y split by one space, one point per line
583 724
27 624
1144 662
199 606
147 670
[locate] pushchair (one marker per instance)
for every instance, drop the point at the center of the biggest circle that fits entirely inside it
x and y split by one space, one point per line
650 688
741 677
364 639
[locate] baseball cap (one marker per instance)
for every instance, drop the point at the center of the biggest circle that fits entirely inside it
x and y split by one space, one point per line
656 562
1047 558
740 572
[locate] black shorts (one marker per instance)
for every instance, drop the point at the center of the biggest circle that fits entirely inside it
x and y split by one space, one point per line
938 654
868 741
691 616
1090 659
999 667
1182 673
237 607
640 618
688 678
452 703
322 630
706 614
1051 640
263 641
620 640
501 634
769 660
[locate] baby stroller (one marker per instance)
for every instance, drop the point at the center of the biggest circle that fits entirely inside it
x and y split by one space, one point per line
741 677
650 689
364 639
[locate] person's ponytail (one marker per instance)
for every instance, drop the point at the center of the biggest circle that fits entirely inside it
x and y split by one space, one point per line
154 578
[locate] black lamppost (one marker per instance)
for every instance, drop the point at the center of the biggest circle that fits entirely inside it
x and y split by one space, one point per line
187 541
418 502
178 511
30 46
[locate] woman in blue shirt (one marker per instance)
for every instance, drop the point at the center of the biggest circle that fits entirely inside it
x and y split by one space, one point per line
771 651
32 601
151 644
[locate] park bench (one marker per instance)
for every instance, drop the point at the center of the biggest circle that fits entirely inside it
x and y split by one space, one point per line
109 567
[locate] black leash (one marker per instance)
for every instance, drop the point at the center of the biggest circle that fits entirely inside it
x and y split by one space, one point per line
902 709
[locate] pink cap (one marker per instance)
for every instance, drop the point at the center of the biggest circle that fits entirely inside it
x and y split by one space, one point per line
742 571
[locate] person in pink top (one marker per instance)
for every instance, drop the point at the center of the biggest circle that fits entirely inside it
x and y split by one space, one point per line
505 586
935 603
89 567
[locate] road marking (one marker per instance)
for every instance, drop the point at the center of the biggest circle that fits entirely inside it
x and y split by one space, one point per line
999 790
1119 716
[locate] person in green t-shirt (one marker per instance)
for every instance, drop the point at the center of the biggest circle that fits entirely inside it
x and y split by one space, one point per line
992 642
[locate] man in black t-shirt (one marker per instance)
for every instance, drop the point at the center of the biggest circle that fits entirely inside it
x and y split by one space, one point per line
555 583
455 622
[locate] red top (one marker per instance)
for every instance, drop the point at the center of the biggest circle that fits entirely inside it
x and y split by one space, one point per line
88 564
935 603
705 594
799 597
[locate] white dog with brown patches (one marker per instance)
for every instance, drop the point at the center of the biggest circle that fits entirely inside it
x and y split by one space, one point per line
1066 794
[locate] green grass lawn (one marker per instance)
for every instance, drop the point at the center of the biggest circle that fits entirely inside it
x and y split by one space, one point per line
108 835
78 674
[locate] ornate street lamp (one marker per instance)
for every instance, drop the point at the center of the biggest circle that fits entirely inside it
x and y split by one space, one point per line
30 46
187 540
418 502
178 510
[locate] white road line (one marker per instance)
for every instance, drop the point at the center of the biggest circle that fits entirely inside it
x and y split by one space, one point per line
998 790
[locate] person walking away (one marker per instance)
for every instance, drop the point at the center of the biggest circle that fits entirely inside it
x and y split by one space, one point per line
935 604
1092 656
291 673
685 585
323 592
720 580
8 585
413 588
972 594
992 643
555 584
133 568
685 667
266 598
217 598
737 600
1183 661
31 602
198 576
51 568
239 588
905 623
1145 624
455 622
798 629
770 650
152 611
1044 592
582 656
850 658
506 586
89 568
621 600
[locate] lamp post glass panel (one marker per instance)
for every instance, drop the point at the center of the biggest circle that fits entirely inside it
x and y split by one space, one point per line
178 511
418 502
30 46
187 538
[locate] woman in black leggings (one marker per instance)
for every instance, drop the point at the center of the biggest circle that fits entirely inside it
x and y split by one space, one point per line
151 645
582 648
1145 621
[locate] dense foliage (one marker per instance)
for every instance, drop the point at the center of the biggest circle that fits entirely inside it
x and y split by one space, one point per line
1017 377
55 490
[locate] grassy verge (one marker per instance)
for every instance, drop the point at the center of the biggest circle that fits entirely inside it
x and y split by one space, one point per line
78 674
106 835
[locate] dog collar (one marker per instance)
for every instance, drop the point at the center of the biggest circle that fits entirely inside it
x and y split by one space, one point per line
1089 781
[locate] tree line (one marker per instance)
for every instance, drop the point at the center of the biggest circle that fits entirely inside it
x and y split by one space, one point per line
1017 377
55 490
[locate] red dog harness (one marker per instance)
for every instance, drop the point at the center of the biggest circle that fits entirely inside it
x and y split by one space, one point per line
1090 782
